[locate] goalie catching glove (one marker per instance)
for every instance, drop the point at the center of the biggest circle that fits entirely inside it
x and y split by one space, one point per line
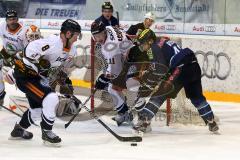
67 88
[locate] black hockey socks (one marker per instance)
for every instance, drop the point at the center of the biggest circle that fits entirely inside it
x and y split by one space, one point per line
46 124
26 120
122 109
203 108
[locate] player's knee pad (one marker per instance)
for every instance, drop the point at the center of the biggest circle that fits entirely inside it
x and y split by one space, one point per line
50 103
133 96
132 85
118 98
203 108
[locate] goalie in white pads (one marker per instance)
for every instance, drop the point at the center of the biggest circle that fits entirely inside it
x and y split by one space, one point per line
114 47
30 73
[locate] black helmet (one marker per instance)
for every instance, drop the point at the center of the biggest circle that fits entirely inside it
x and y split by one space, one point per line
70 25
97 27
145 36
11 14
107 5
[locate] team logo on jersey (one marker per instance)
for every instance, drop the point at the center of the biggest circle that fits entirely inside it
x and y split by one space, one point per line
11 48
60 59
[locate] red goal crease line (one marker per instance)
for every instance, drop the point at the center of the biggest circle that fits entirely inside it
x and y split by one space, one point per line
212 96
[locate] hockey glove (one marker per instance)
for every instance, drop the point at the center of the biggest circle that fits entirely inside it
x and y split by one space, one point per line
43 67
102 82
171 76
67 88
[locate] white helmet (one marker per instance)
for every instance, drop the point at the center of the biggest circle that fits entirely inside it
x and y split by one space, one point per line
33 33
150 15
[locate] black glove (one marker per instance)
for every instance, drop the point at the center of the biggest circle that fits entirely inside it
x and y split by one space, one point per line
102 82
66 89
63 78
44 67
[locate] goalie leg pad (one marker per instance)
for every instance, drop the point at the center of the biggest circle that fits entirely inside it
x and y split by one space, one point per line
66 106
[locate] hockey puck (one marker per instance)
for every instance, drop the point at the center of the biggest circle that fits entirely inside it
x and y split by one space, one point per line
133 144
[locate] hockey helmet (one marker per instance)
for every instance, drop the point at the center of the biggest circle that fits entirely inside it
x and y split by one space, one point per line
107 5
11 14
97 27
146 35
33 33
150 15
70 25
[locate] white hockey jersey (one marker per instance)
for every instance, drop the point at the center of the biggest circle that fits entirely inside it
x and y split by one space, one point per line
51 49
114 50
13 41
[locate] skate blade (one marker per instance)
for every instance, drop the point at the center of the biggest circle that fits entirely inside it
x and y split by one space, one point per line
17 138
216 133
49 144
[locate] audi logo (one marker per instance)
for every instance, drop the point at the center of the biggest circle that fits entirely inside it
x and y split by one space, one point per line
214 65
170 27
210 29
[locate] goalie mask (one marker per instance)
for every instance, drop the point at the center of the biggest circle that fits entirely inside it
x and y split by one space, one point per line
33 33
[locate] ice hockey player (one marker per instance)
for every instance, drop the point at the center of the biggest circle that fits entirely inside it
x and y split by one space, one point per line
114 46
107 17
139 27
184 72
13 38
39 57
32 33
137 61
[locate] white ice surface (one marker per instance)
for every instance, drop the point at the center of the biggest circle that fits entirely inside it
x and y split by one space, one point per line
89 140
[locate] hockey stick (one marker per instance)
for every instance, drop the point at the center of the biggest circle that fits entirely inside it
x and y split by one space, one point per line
83 104
16 114
11 111
120 138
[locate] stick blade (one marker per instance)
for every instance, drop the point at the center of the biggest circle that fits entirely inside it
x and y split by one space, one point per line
131 139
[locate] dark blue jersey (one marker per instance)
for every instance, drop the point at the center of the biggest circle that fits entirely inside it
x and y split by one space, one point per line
172 55
112 22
